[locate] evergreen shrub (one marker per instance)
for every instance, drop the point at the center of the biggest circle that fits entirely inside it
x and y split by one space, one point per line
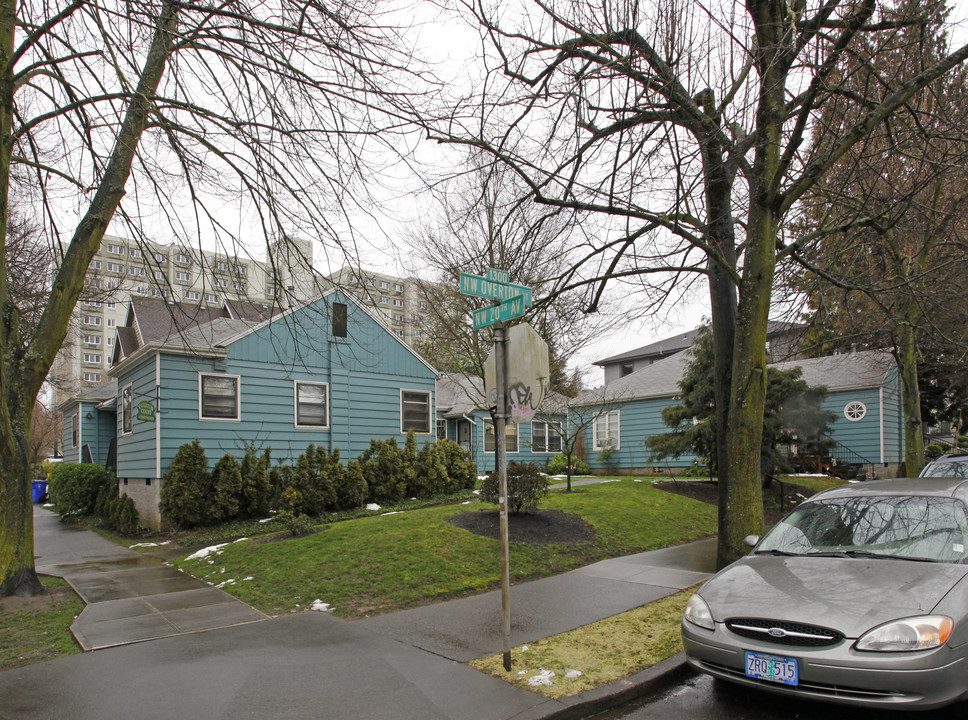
527 486
74 488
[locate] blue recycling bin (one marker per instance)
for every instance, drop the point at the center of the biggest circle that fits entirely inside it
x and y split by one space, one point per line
40 490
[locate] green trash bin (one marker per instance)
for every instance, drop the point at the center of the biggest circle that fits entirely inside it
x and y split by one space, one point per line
40 490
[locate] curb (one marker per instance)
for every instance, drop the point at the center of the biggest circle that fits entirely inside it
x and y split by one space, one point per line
642 684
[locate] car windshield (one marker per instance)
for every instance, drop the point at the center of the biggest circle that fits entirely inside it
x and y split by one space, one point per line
949 469
913 527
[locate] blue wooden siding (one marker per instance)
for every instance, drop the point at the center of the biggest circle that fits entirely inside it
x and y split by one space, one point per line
486 460
136 450
864 436
364 372
638 420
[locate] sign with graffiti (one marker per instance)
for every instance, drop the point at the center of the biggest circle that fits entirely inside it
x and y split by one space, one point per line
527 373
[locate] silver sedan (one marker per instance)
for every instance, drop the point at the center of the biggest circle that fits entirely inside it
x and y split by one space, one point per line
859 596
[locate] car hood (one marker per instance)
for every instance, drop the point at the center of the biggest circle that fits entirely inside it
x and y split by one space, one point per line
851 595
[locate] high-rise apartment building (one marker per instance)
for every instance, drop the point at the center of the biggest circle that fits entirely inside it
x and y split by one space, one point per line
399 302
123 268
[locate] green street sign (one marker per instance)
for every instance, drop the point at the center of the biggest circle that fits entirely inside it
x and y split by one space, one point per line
499 276
499 313
483 287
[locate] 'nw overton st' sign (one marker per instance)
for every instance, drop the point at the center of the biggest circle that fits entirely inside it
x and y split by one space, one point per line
483 287
499 313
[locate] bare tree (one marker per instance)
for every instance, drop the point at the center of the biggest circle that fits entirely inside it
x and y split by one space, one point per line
688 124
155 116
486 219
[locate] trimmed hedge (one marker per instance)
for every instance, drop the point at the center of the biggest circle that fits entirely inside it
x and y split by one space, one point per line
74 487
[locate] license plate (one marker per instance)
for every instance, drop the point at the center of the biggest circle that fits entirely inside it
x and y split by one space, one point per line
772 668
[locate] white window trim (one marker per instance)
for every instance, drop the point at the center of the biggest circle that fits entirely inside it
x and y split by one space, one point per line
238 398
295 404
517 436
130 391
855 411
618 429
430 411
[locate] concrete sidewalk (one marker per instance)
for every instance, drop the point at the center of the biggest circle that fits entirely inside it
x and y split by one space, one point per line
406 664
130 597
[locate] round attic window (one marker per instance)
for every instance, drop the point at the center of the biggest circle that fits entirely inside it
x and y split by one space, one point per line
855 411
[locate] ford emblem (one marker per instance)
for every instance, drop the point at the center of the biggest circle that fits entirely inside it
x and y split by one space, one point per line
777 632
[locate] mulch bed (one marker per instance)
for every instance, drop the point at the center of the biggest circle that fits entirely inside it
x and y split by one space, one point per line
540 527
708 492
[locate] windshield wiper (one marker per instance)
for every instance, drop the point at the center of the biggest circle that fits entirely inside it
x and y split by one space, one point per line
850 554
776 552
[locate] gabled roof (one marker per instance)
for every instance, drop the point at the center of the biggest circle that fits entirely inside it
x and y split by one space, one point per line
96 393
867 369
678 343
156 320
253 312
459 395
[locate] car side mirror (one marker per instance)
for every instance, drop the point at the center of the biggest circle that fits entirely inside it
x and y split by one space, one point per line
751 540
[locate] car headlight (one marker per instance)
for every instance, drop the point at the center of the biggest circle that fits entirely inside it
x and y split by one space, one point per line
916 633
697 612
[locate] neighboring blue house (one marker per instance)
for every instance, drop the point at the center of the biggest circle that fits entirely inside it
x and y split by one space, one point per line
461 417
326 372
89 426
863 391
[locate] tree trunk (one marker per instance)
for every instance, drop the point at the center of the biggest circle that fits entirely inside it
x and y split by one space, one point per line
907 364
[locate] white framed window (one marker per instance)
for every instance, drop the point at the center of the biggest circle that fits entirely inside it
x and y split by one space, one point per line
93 303
221 266
75 423
370 282
418 318
135 252
95 265
397 302
398 287
112 322
415 411
271 277
92 358
605 430
94 320
141 289
92 282
418 333
115 267
155 292
137 271
115 249
91 339
111 305
221 282
110 342
111 285
855 411
311 400
158 274
191 295
545 438
92 377
183 259
441 429
183 276
211 298
126 410
398 332
240 286
240 270
384 285
397 317
270 292
384 300
160 258
218 397
510 436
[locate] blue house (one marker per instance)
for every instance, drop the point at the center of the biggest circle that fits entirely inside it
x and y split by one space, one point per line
326 372
863 391
462 417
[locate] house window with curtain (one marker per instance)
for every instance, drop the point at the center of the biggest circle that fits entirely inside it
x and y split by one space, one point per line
510 434
606 430
312 407
545 437
415 411
218 397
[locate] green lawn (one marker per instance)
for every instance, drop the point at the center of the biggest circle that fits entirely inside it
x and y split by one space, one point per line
40 630
377 564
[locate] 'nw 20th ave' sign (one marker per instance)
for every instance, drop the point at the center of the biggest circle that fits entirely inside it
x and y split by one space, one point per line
495 286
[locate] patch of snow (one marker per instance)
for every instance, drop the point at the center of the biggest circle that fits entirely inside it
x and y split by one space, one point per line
205 552
319 606
265 520
608 481
221 585
373 506
466 502
809 475
525 648
573 674
395 512
476 492
636 481
48 505
542 678
246 579
143 545
522 672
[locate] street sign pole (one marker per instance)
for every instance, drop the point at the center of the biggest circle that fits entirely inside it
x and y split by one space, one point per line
500 444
